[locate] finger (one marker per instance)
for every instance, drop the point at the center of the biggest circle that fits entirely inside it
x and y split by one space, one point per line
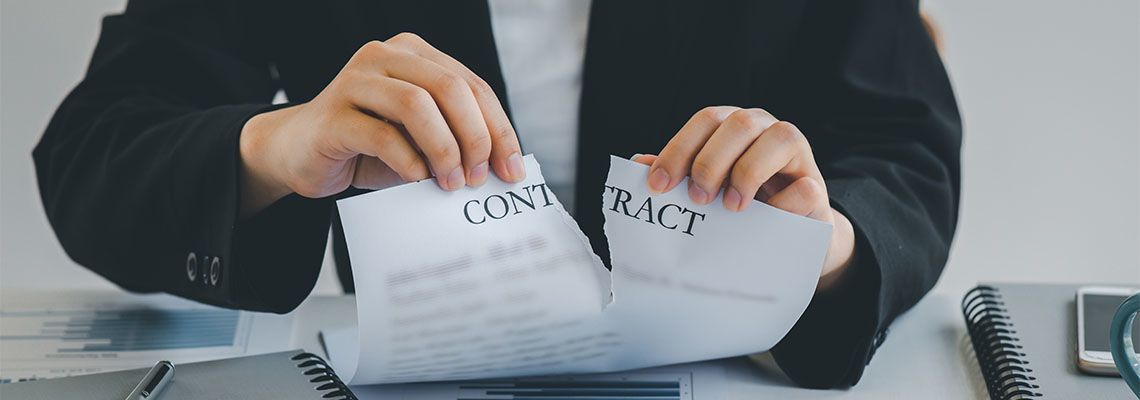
375 139
506 154
780 149
646 159
805 196
673 163
455 99
371 173
716 159
774 185
415 109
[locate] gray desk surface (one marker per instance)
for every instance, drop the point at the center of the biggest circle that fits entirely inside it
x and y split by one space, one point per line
926 353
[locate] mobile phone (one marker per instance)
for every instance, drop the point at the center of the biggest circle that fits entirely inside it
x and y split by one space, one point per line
1095 307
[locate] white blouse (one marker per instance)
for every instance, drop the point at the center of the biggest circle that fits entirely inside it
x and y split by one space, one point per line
541 46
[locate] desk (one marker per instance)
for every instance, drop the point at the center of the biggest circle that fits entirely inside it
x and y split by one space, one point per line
925 353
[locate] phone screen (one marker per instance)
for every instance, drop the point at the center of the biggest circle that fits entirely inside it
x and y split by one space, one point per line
1098 311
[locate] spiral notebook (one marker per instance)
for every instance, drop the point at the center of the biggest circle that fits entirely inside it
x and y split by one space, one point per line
280 376
1024 337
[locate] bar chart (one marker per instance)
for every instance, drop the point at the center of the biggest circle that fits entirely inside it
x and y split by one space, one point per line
138 329
47 338
598 387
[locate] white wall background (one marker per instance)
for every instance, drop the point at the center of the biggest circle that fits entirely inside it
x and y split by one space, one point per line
1050 93
1050 96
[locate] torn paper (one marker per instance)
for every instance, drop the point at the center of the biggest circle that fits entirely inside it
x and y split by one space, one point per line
499 281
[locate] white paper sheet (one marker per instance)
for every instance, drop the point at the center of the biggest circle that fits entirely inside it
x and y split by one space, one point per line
499 281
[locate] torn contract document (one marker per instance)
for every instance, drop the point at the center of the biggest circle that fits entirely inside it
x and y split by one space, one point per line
499 281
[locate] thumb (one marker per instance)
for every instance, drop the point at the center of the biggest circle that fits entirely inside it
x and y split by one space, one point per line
371 173
646 159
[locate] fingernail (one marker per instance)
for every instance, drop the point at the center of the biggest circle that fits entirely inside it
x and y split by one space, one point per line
732 199
658 180
697 194
635 156
455 179
478 175
515 167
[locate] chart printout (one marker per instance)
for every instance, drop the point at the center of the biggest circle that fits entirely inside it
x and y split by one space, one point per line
499 281
89 332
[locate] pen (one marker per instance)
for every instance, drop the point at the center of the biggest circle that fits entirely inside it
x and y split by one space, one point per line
153 382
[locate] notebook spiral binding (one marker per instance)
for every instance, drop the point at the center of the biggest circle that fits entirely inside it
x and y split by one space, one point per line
323 376
1005 368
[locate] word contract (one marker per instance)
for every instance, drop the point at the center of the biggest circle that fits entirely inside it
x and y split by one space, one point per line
499 281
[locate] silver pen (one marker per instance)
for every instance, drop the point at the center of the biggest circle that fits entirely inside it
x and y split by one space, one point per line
153 382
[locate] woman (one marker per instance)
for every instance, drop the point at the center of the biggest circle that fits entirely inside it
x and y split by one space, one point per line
167 168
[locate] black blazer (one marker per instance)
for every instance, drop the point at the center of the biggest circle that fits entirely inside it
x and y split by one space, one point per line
138 169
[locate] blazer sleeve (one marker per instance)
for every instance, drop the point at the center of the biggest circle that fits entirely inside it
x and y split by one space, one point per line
868 89
139 167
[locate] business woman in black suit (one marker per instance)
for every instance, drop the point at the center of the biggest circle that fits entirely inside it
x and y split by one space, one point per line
167 169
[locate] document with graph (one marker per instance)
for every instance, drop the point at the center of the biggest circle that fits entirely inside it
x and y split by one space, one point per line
498 281
47 336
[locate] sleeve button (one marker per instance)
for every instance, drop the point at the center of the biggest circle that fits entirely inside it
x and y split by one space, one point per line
215 271
192 267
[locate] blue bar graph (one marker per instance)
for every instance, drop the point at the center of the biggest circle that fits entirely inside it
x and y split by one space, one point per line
135 329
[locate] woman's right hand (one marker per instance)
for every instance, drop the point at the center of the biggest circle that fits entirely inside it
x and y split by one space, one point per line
399 111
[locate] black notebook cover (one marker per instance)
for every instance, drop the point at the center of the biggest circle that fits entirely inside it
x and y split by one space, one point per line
1024 337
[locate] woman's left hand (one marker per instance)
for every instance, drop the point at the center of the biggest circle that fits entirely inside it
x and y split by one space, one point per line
751 154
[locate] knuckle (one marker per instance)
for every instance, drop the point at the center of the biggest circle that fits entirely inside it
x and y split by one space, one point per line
416 100
747 120
371 49
501 132
353 77
450 84
479 144
747 175
708 115
787 126
407 38
702 171
810 189
762 113
443 152
386 139
811 192
783 136
788 134
482 89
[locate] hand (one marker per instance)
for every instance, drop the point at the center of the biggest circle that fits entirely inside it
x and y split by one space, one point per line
751 154
400 110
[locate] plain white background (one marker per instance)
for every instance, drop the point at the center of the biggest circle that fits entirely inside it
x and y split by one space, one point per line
1049 90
